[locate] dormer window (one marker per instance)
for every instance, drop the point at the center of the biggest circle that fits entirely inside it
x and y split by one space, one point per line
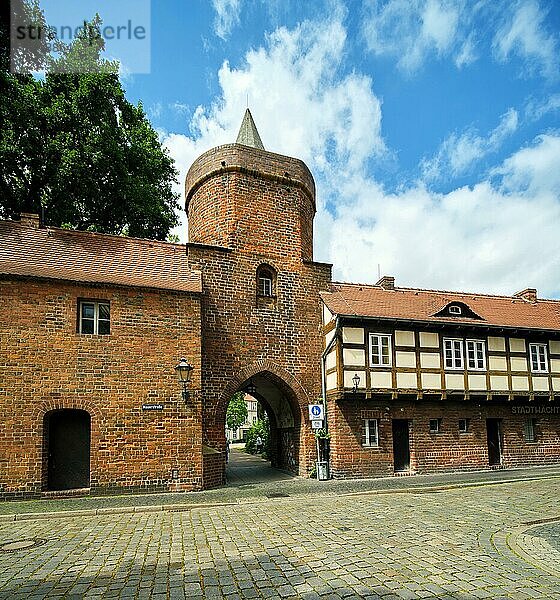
455 310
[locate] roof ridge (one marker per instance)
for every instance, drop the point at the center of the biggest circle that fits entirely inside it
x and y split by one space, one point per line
450 292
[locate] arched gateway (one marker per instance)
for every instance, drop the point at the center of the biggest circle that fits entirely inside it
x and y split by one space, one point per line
250 216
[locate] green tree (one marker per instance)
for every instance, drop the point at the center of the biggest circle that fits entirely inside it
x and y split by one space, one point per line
236 413
73 146
258 429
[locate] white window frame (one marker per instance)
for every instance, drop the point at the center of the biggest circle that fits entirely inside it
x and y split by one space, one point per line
379 354
455 310
529 430
371 429
438 427
96 318
467 425
265 286
453 342
476 343
542 358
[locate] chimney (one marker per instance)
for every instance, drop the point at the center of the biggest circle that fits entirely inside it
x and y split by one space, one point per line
30 220
529 294
386 282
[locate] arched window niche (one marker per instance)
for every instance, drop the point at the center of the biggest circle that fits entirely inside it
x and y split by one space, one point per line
266 287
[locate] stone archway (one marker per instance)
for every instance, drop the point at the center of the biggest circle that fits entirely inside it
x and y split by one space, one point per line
284 400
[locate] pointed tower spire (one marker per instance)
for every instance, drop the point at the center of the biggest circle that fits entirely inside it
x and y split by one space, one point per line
248 134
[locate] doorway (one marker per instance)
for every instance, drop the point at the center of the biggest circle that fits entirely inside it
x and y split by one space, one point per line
401 445
67 445
494 436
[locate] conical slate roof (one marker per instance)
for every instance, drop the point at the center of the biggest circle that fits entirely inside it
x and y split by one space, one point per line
248 134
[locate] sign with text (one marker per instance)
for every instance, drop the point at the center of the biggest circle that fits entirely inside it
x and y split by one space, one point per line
316 412
317 423
152 406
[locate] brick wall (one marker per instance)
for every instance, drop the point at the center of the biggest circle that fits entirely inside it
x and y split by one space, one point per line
46 365
432 452
260 210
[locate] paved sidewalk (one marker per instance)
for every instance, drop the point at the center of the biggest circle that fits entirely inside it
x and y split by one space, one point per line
246 469
251 491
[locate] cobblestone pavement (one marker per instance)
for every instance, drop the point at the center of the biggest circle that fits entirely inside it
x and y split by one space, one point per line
452 544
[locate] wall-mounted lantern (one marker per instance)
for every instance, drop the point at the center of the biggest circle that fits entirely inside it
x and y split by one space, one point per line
356 381
184 371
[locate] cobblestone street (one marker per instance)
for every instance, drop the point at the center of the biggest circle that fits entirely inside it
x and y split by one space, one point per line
471 542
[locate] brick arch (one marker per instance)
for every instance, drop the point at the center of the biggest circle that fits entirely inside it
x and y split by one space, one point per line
62 403
257 368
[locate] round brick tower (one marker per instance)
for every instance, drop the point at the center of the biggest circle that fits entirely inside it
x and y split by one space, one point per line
251 234
233 200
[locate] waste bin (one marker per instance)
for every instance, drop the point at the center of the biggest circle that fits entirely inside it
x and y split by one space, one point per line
322 470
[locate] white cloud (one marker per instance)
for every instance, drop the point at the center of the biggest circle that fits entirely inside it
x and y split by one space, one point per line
410 29
524 33
227 16
500 235
459 152
536 110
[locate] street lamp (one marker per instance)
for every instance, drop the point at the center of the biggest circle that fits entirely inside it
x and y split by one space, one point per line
184 371
356 381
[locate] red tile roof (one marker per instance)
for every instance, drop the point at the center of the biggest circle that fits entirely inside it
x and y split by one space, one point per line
53 253
421 305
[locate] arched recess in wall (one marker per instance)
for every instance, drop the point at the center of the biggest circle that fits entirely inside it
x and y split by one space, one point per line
87 425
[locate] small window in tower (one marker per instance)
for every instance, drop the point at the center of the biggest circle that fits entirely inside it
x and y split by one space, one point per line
266 282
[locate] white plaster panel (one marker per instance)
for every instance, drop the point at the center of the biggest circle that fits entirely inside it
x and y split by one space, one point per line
519 384
405 359
329 336
353 335
406 380
497 344
330 361
431 381
554 347
497 363
499 383
327 315
454 381
429 340
404 338
518 363
540 384
477 382
516 345
555 365
430 360
331 381
381 379
348 376
354 357
556 384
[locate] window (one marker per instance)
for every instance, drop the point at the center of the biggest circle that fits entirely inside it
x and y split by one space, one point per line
538 358
530 426
455 310
453 350
380 346
94 317
265 281
464 425
435 425
476 356
371 432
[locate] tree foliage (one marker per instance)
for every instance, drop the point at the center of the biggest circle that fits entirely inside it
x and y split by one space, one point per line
259 428
237 412
73 146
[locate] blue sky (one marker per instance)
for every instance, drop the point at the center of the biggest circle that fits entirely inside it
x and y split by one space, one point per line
432 127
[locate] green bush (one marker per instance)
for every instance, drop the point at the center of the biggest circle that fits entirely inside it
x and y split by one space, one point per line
261 428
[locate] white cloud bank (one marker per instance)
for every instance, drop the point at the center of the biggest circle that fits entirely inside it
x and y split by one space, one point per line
501 235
